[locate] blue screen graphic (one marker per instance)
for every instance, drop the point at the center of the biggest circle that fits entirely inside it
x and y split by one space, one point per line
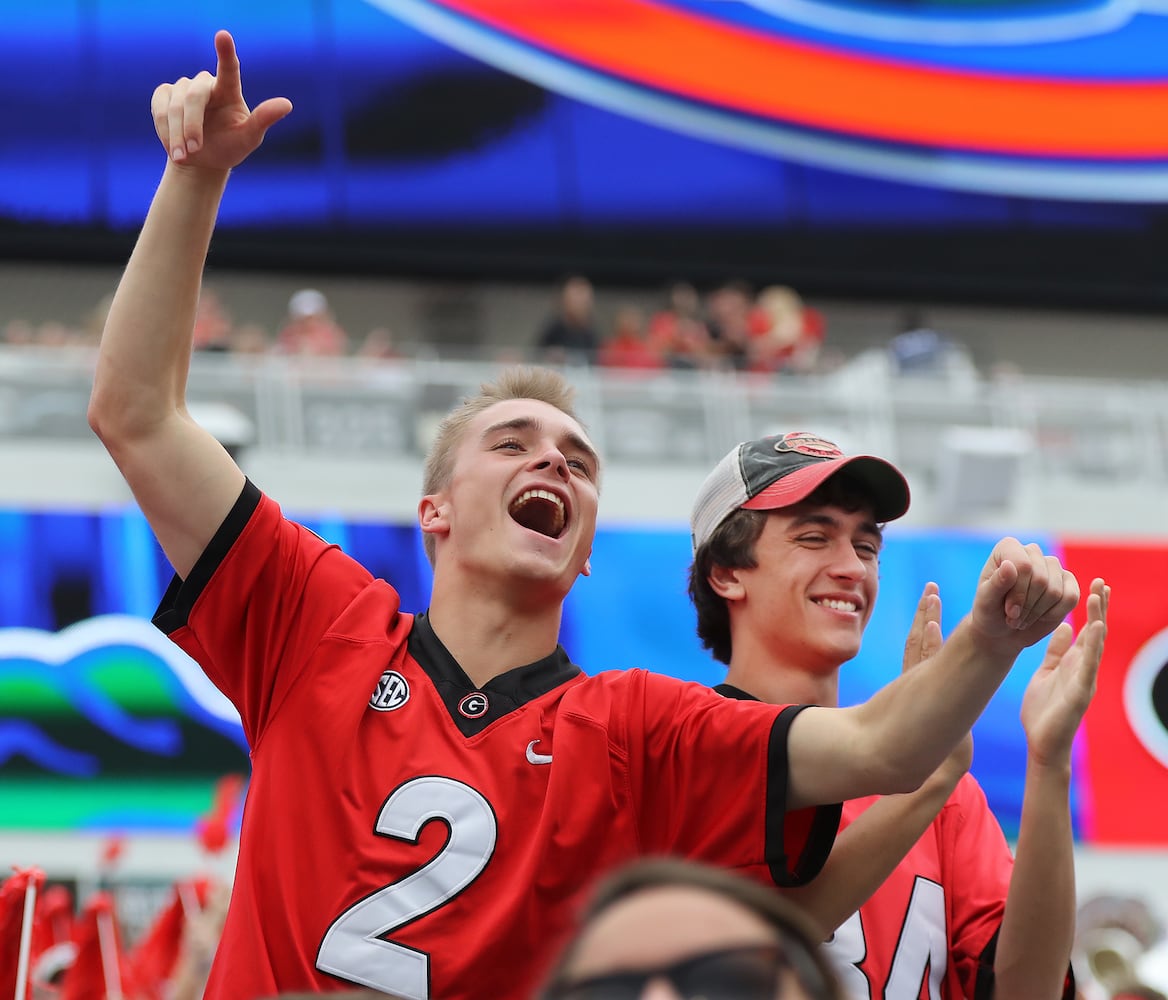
96 699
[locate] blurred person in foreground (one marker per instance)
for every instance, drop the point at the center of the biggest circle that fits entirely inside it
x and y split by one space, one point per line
431 792
787 533
667 928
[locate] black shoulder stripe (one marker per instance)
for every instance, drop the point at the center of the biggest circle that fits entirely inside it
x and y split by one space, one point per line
823 827
175 607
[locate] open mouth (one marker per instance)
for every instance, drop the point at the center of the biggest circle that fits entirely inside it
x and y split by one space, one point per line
540 510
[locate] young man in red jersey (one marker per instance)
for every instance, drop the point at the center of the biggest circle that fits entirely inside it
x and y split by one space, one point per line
787 538
430 793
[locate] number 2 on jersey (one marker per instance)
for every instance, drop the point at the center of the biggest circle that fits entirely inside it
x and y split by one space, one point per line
353 947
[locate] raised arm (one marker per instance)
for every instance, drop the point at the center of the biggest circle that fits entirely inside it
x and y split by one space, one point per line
868 850
1038 926
183 480
895 740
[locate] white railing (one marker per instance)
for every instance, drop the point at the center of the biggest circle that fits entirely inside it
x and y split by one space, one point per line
1092 430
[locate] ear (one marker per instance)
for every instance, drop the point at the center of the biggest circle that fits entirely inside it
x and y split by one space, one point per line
432 515
725 582
587 570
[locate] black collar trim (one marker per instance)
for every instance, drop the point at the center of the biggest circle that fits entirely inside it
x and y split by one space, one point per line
730 691
473 708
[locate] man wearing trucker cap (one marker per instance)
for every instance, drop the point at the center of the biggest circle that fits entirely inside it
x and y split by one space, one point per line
787 534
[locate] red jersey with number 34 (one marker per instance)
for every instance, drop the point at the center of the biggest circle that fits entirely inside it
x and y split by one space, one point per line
409 832
930 931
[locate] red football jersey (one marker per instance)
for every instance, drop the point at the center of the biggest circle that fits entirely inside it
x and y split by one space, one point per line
927 929
930 930
411 833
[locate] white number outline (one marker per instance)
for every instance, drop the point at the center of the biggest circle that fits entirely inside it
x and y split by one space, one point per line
847 950
353 947
923 944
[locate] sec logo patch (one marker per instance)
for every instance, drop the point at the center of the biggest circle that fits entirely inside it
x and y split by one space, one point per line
392 692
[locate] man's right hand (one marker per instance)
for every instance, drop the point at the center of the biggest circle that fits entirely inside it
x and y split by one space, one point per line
205 122
1022 596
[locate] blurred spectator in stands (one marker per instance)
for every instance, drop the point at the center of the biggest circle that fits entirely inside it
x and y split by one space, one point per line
571 334
18 333
250 338
786 335
95 321
628 345
212 323
682 302
728 322
379 343
678 332
53 333
918 349
691 347
310 327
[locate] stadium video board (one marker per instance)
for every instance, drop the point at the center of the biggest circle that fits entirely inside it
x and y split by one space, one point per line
1013 145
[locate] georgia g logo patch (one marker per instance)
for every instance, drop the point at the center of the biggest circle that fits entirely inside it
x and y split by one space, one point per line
474 705
392 692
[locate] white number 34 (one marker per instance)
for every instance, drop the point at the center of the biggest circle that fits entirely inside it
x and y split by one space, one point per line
922 950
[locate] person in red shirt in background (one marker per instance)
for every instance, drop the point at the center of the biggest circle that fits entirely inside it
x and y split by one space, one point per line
627 346
786 334
310 327
679 332
213 324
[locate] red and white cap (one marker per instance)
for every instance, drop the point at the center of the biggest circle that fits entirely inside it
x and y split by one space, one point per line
774 472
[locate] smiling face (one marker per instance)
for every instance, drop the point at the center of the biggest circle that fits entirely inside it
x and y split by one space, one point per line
811 594
520 503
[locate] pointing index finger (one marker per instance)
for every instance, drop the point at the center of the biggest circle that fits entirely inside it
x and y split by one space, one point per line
227 67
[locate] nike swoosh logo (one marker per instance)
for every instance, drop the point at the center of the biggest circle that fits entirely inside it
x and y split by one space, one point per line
537 758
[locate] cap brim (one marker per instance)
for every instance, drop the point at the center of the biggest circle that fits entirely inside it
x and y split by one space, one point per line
879 480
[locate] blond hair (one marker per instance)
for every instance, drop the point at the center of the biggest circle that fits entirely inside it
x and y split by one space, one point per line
540 384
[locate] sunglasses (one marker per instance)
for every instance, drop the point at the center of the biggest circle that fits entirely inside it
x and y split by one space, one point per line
732 974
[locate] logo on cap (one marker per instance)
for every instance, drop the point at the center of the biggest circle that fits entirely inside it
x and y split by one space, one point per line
807 444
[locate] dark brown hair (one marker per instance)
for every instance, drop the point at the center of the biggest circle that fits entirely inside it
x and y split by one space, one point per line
732 546
792 926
